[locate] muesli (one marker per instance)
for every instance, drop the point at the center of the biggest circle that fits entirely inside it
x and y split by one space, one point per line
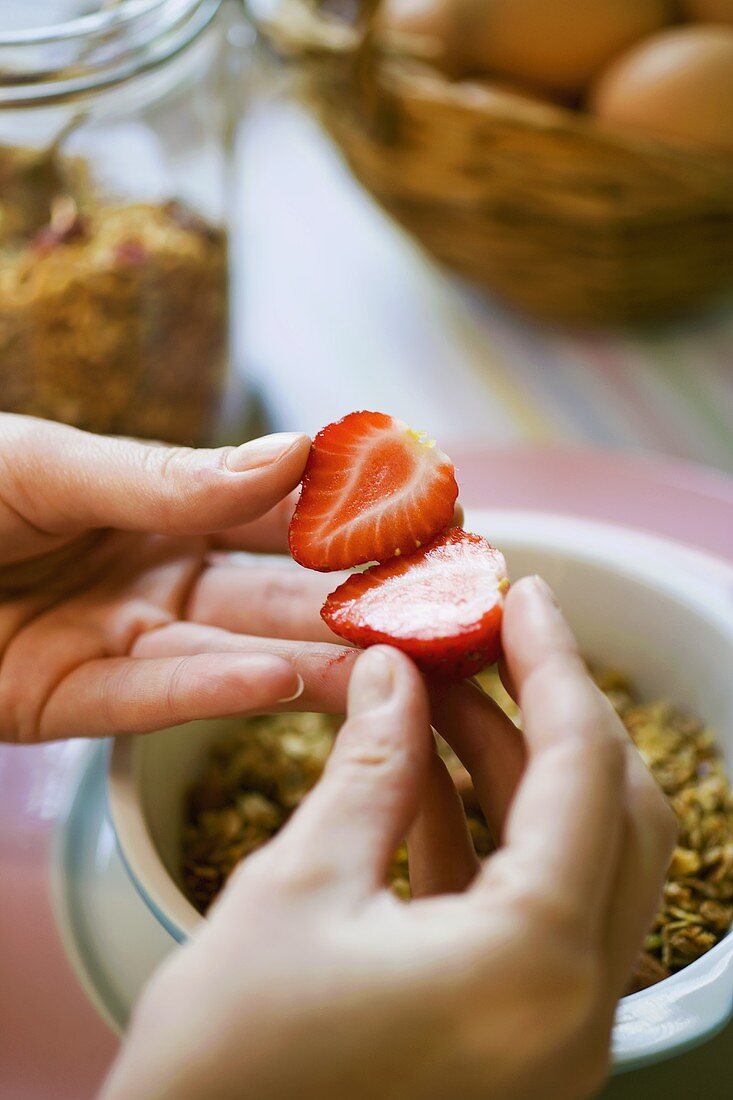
255 778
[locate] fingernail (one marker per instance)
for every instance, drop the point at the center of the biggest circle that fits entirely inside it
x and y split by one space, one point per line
372 681
297 693
543 589
261 452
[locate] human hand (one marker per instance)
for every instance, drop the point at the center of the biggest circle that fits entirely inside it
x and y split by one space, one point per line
121 608
311 979
124 604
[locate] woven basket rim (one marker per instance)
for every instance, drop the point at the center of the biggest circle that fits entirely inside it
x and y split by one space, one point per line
303 33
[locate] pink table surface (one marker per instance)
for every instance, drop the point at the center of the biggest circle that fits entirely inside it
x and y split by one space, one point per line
53 1045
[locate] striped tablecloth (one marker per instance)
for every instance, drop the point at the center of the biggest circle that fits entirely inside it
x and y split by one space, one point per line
340 310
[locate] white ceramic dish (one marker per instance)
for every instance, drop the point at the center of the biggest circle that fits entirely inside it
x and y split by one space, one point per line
110 938
637 602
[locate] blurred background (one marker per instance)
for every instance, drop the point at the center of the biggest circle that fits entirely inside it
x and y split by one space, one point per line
508 222
491 243
584 293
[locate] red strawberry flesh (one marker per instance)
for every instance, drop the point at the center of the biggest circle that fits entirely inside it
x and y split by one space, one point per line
372 490
442 605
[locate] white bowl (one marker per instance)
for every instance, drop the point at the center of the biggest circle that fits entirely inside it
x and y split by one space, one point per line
660 611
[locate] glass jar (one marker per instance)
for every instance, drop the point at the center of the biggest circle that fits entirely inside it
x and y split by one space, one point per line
116 124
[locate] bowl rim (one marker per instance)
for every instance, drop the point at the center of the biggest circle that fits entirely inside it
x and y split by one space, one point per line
683 1013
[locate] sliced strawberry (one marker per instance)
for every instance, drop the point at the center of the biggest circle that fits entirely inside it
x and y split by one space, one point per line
441 605
373 489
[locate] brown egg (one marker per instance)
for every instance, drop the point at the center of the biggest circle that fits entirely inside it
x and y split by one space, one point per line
708 11
556 44
677 85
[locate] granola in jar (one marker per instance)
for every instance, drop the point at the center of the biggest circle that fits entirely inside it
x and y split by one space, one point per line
116 186
113 318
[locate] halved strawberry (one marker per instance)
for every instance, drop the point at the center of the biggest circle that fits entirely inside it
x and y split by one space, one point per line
441 605
373 489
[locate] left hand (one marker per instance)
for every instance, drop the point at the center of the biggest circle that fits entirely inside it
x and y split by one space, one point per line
122 608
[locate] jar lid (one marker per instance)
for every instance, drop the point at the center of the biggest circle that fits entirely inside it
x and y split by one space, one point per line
57 50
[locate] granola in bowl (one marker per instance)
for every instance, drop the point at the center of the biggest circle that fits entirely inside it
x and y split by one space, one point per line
254 779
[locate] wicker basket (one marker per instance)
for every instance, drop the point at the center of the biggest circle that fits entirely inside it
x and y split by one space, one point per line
554 213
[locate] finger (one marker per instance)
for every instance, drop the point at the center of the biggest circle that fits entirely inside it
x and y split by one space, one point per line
564 830
441 854
274 600
486 742
648 827
478 731
361 810
123 695
650 835
324 668
60 481
268 534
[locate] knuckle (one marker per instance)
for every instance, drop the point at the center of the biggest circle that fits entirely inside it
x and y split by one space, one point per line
111 689
177 685
183 480
367 747
372 756
169 463
132 618
375 771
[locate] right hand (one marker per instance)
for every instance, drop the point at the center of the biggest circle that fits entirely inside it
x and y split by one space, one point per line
311 980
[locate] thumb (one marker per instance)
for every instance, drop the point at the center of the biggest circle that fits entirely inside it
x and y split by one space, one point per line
61 481
346 831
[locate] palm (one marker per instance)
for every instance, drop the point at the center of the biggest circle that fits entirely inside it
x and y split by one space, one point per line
81 620
107 630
